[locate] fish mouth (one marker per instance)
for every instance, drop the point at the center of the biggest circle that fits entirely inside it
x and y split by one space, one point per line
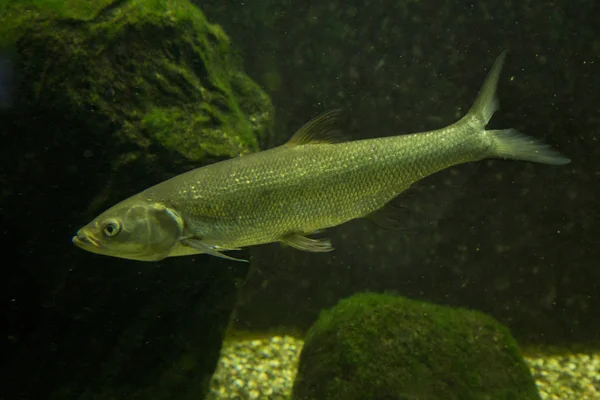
84 240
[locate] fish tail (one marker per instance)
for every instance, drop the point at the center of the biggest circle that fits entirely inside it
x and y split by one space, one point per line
507 143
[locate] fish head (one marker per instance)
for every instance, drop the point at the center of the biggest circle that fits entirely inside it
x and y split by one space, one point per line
132 230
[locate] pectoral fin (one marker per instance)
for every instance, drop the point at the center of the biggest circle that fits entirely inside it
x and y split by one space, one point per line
208 249
301 242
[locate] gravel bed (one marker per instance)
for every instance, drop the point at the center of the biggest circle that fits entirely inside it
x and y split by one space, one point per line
567 376
256 369
266 369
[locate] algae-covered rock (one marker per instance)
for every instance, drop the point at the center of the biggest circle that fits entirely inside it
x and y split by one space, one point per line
383 347
143 78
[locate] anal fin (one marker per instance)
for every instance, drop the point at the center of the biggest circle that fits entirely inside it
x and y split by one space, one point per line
419 207
390 217
394 214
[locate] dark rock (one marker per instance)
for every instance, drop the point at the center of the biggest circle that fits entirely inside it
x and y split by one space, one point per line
102 100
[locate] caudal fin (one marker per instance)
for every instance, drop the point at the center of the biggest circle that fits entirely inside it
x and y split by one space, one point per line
508 143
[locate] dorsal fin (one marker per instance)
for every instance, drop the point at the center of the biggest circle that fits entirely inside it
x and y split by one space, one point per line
322 129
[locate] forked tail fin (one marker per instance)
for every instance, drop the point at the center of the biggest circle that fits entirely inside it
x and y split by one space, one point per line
507 143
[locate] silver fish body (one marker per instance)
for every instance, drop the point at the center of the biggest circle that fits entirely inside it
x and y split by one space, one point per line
313 182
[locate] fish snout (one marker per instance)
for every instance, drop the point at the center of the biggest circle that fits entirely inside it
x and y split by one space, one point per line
83 239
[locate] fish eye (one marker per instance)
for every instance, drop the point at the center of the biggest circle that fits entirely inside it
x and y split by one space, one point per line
111 228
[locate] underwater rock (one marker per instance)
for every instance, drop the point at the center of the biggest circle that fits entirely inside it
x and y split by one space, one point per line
382 347
107 98
140 85
156 71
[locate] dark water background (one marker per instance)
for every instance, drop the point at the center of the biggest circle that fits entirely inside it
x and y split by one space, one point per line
516 240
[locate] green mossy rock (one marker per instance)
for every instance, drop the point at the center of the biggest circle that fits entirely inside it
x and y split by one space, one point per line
145 73
383 347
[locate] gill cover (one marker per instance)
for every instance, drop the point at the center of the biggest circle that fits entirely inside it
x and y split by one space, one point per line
155 228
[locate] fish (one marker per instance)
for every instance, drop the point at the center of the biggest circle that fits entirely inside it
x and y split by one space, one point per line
317 180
